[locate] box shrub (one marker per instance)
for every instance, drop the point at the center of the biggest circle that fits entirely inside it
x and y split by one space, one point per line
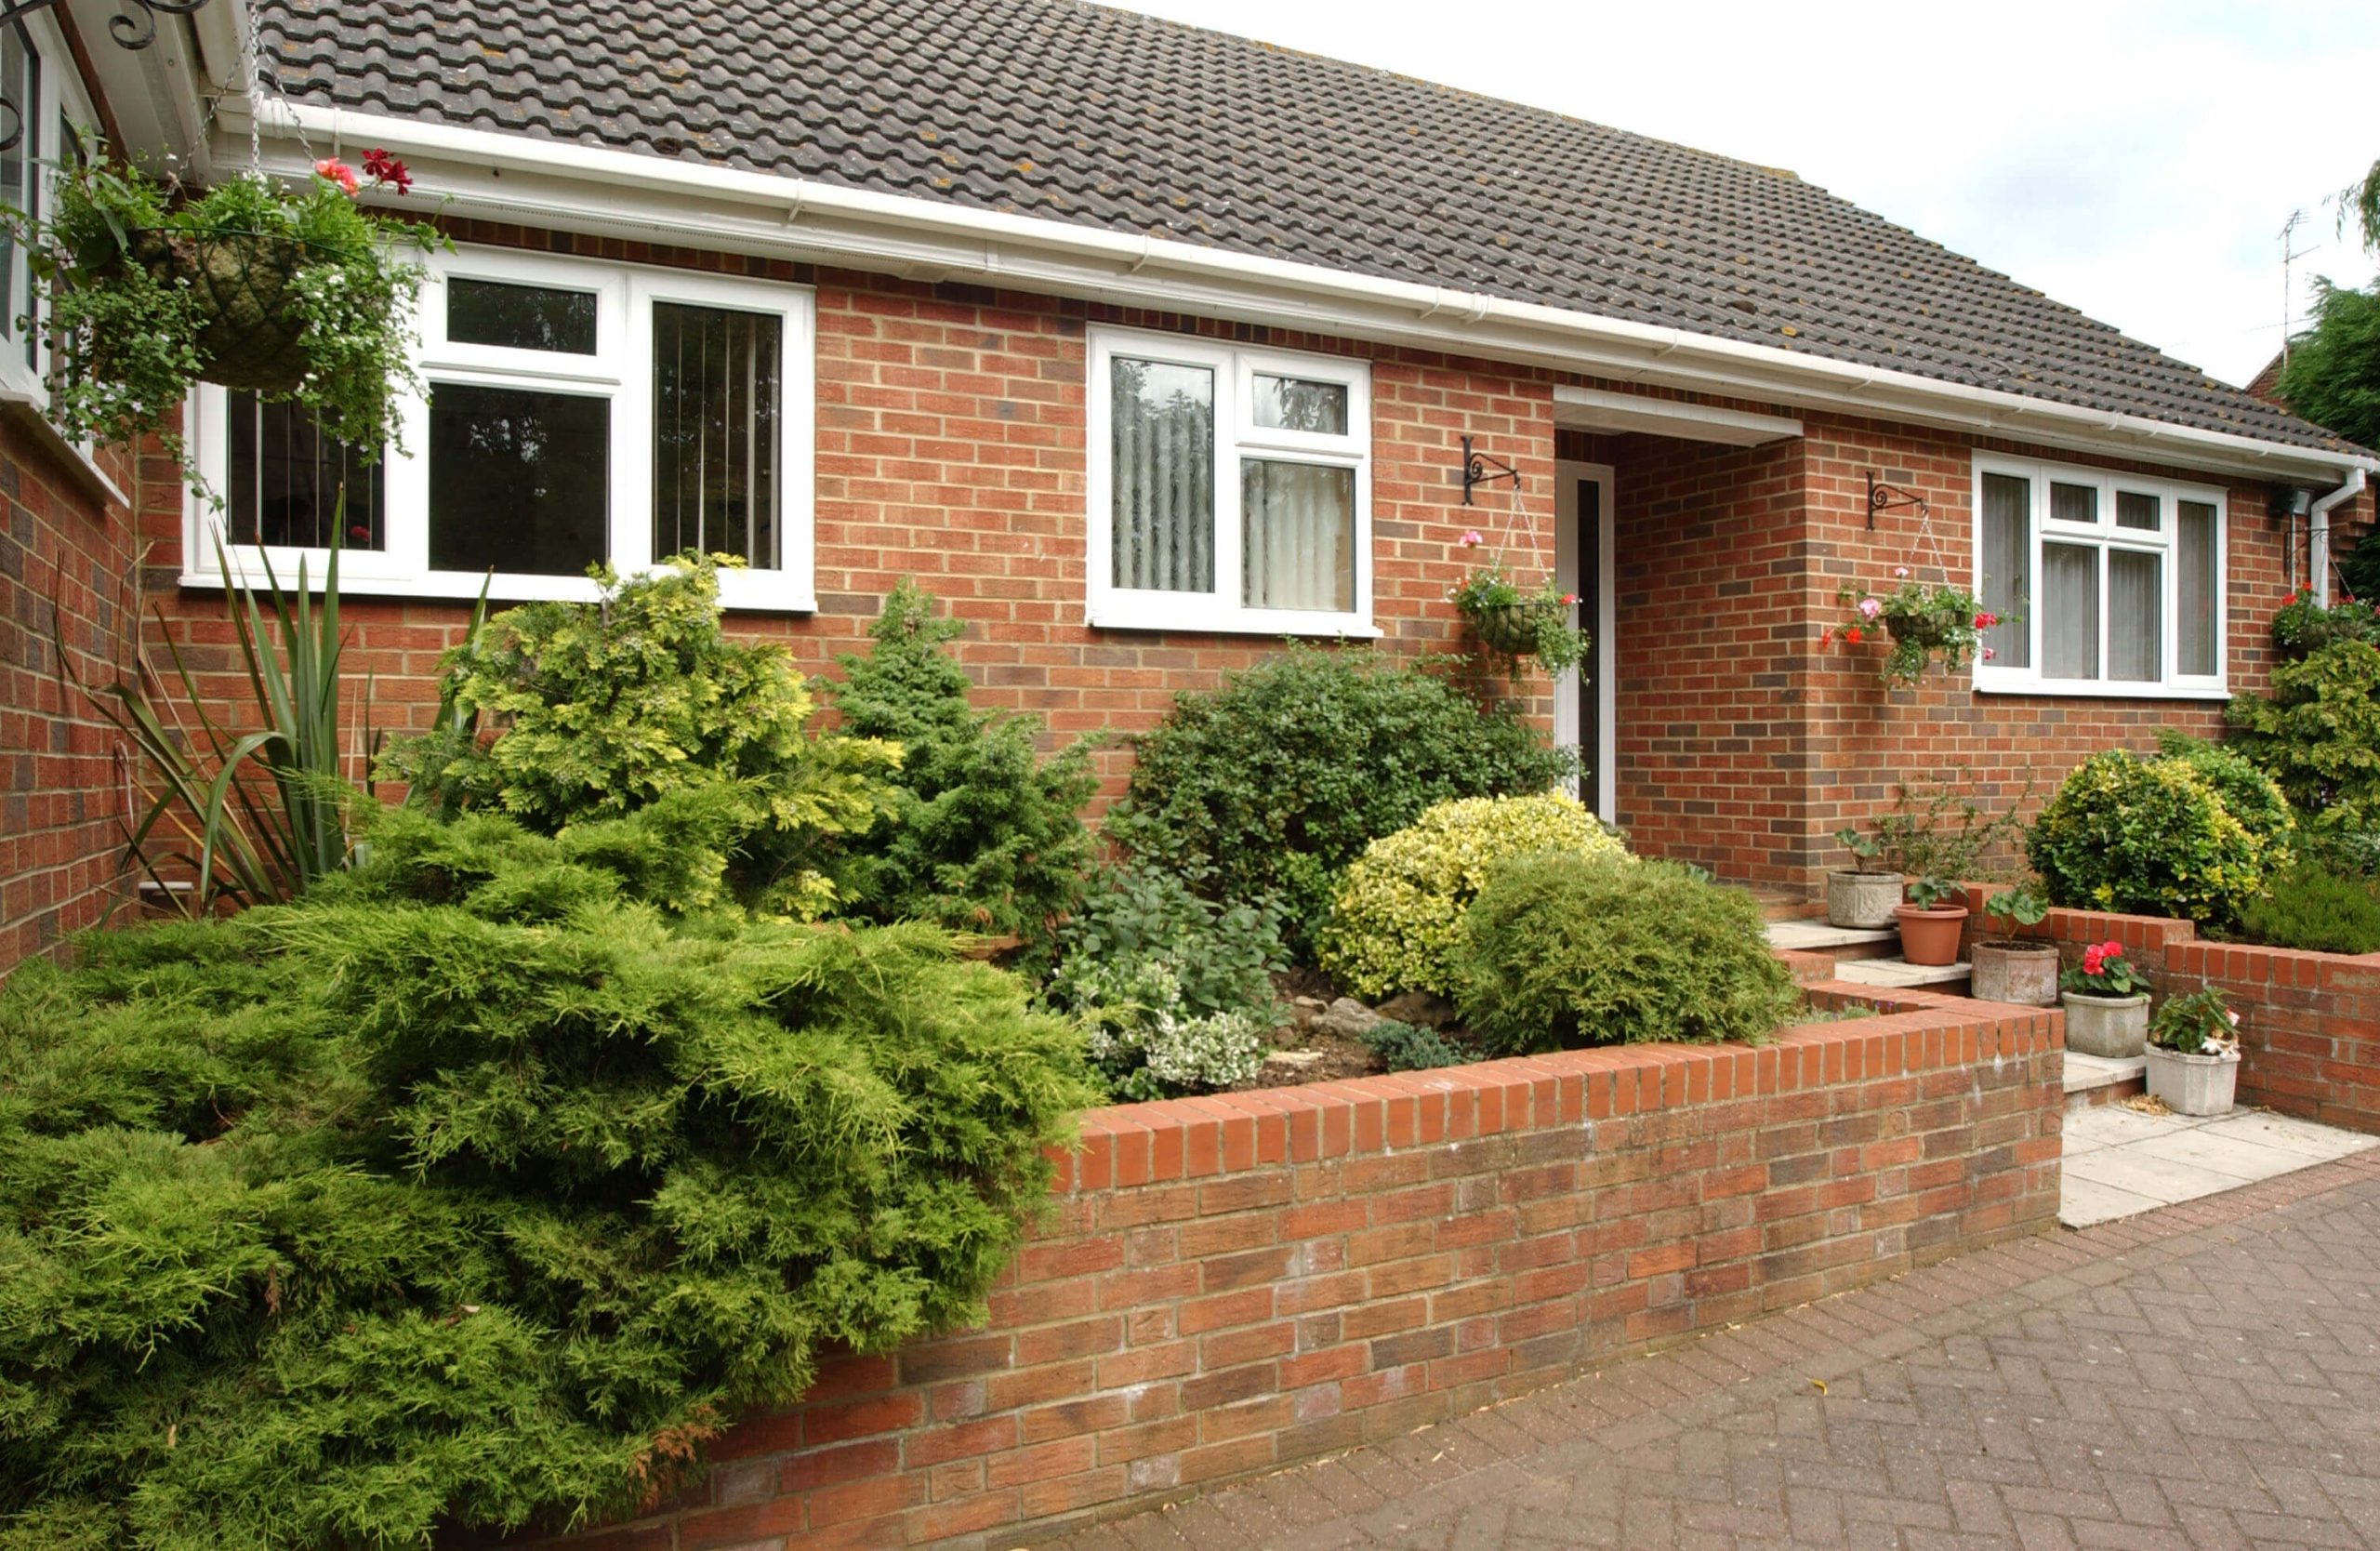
2317 734
469 1193
1393 924
2316 907
985 834
2145 837
1561 949
1277 781
2248 794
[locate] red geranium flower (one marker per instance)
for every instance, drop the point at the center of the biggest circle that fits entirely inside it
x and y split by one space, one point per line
1852 634
384 168
338 172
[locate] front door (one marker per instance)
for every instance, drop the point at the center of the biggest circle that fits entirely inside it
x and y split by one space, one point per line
1582 697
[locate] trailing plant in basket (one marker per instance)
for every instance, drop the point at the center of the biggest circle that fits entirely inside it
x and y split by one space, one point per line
293 294
1923 619
1512 624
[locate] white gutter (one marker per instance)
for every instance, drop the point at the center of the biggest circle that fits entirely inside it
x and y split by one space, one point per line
519 178
2318 533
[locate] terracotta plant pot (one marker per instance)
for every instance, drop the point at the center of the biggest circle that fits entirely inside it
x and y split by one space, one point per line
1930 936
2114 1026
1861 901
2024 974
2193 1084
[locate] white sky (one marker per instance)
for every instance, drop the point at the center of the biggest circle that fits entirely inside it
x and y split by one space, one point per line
2134 160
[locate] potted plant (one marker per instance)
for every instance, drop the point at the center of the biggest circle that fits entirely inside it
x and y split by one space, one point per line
2194 1053
1512 624
2010 968
289 293
2106 1003
1861 897
1929 926
1924 621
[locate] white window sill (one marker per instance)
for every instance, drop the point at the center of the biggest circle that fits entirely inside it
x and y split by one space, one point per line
1328 627
459 588
26 408
2071 689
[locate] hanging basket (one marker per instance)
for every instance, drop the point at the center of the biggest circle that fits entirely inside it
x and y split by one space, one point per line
1929 630
1505 629
246 283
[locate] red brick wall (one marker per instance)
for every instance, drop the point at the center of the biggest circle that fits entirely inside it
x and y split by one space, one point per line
1231 1284
60 792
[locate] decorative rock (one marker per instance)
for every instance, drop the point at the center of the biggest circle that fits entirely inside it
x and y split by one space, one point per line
1348 1018
1422 1009
1294 1060
1303 1010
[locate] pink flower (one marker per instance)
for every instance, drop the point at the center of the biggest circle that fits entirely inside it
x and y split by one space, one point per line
1900 570
1989 653
2233 1016
1869 608
337 171
1468 540
1569 598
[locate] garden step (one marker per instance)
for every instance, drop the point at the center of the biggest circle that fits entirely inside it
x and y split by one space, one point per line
1844 942
1900 974
1784 904
2094 1079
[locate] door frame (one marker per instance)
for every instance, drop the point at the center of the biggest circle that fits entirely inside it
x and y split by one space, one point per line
1601 623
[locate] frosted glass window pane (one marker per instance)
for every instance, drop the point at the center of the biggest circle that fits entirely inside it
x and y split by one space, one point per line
2196 568
2007 559
2069 611
1297 536
2136 617
1162 503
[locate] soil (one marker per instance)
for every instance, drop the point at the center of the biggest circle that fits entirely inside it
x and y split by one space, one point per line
1341 1057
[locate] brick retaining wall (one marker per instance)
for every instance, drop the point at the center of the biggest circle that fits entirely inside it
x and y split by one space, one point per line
1230 1285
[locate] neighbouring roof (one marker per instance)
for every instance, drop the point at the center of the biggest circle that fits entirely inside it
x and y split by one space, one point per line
1097 117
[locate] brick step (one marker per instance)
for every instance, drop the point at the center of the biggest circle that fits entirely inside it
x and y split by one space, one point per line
1784 904
2092 1080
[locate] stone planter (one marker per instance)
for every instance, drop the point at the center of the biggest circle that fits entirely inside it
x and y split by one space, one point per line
2024 974
1861 901
2115 1027
2190 1084
1930 936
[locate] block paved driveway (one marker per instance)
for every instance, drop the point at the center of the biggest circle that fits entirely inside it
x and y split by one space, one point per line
2205 1376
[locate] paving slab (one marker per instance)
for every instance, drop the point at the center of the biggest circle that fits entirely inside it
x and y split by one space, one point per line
1900 974
2119 1159
1811 937
2087 1072
2083 1201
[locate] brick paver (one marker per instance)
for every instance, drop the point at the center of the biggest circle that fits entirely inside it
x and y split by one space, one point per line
2206 1376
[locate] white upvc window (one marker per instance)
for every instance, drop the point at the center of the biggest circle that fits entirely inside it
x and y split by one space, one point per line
579 412
1229 488
2106 584
37 75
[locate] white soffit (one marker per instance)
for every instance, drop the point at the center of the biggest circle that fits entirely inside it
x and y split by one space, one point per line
1597 409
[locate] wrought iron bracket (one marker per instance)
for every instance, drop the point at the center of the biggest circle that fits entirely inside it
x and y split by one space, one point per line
134 27
1480 468
1889 498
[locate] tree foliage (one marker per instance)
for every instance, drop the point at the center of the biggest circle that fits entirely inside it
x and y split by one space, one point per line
470 1191
2333 378
986 835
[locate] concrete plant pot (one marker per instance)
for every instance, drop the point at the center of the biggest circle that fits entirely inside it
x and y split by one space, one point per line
2191 1084
2115 1027
1930 936
1861 901
2024 974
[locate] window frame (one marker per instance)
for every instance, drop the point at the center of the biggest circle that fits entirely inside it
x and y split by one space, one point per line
2106 535
620 372
1236 367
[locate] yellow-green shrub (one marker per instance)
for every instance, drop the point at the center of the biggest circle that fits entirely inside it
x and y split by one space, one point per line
1394 918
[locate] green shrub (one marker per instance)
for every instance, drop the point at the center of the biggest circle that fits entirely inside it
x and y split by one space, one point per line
1561 951
1173 990
2316 907
1279 779
469 1193
2144 836
1393 924
986 836
561 713
1412 1047
2317 734
2248 794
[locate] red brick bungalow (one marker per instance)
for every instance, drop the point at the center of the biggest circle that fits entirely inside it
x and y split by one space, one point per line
1144 347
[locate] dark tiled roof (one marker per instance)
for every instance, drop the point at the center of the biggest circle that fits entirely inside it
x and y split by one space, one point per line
1104 118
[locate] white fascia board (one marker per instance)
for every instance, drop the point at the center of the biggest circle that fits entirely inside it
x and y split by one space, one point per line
1597 409
524 179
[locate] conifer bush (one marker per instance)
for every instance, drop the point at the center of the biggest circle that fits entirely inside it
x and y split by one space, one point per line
985 834
473 1191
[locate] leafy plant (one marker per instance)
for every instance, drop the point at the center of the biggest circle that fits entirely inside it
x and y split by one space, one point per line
2149 836
1924 621
150 288
2016 908
2317 734
1561 949
1929 890
2248 794
1143 1035
1512 624
985 834
2104 972
2302 626
1412 1047
1864 850
2316 908
2197 1023
469 1193
1938 830
1394 924
561 713
1268 786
